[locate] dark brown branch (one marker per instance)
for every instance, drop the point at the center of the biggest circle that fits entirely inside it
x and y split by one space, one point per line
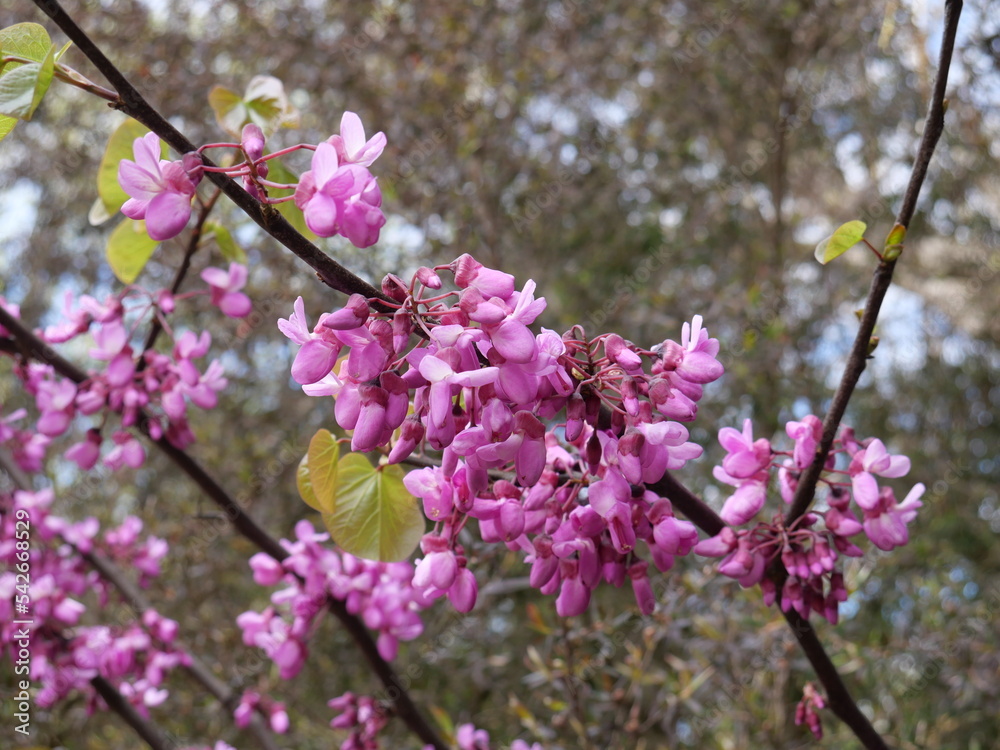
838 699
692 506
30 345
134 597
135 105
149 732
933 127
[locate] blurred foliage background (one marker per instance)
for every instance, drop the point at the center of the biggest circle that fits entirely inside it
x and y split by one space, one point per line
643 161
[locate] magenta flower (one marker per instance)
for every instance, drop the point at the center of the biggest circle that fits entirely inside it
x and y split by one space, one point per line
351 146
340 199
160 190
225 289
885 524
866 463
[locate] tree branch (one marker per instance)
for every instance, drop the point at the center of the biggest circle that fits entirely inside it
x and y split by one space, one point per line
838 698
31 346
933 127
133 104
149 732
133 596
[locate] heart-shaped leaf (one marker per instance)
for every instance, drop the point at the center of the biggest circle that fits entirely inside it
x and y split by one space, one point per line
129 249
847 236
323 456
374 516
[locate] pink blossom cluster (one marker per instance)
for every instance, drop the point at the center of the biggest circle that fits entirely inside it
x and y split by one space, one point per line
338 195
478 385
252 701
805 711
364 717
809 548
160 385
381 594
65 655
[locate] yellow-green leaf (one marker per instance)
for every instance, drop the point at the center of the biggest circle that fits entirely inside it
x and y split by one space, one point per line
227 245
119 147
230 111
6 125
129 248
323 456
268 104
22 86
374 516
843 239
28 40
304 484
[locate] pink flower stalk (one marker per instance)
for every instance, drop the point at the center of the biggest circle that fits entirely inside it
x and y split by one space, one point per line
160 190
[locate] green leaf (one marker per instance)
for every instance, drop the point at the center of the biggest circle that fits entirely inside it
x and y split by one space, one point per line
227 245
374 516
129 248
323 456
6 125
119 147
304 484
264 103
63 51
230 111
847 236
28 40
268 104
22 86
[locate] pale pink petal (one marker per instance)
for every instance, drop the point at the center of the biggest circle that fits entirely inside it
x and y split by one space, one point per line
167 215
324 164
321 215
235 305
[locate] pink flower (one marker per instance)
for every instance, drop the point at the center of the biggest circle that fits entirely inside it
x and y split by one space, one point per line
874 459
160 190
225 289
885 524
340 199
351 146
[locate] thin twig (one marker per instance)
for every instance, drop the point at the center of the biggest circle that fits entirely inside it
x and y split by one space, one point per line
933 127
838 698
149 732
192 247
137 601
